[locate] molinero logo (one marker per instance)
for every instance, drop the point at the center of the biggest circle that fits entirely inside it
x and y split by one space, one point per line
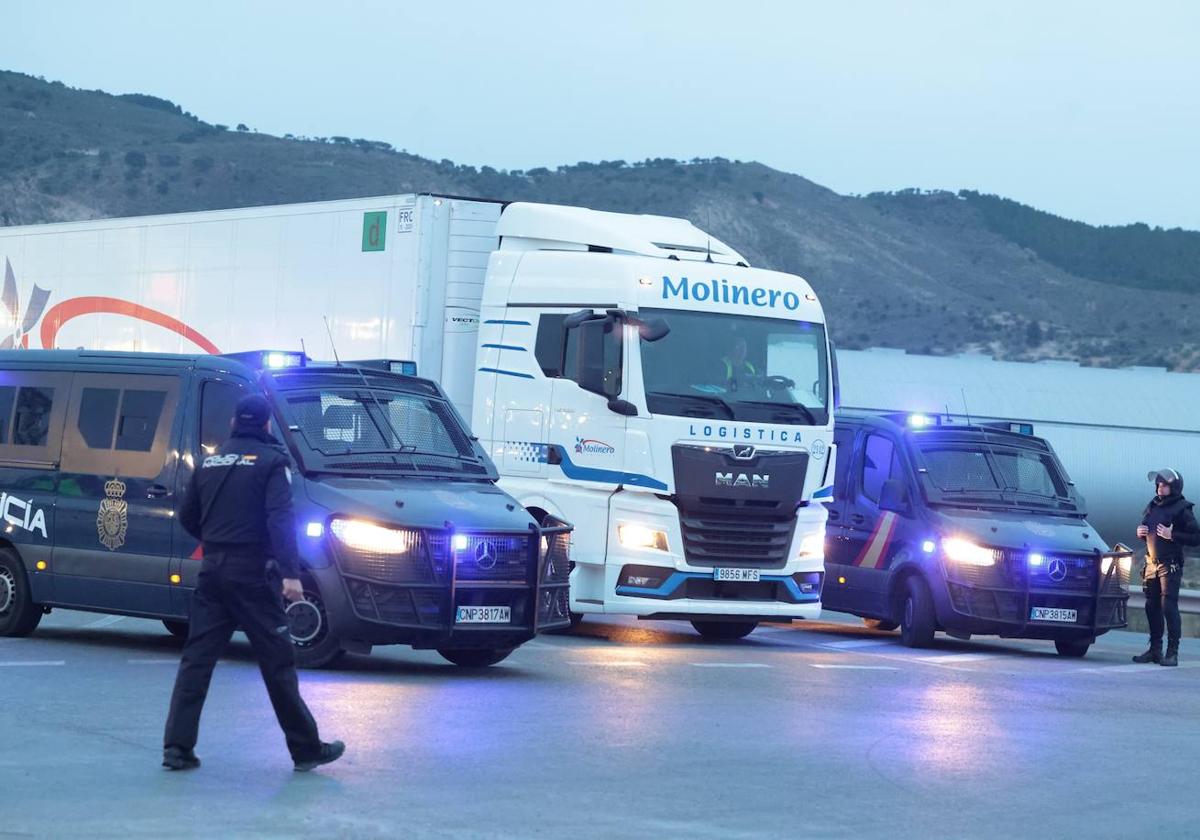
722 291
587 446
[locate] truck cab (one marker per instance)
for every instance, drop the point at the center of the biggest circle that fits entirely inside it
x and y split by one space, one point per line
970 529
403 535
638 378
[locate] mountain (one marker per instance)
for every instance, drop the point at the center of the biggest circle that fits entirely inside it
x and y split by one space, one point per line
931 272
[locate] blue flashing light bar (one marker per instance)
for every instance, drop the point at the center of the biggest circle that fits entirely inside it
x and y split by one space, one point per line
270 359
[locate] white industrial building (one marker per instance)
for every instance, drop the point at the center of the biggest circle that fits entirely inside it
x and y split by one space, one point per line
1108 426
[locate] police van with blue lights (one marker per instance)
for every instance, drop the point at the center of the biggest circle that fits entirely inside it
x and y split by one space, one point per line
404 536
966 528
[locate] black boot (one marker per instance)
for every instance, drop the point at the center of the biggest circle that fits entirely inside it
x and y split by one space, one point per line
328 753
175 758
1152 654
1172 657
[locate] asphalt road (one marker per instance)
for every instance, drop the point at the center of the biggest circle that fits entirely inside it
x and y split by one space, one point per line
626 730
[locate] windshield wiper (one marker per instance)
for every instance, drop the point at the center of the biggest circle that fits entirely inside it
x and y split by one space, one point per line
801 407
705 398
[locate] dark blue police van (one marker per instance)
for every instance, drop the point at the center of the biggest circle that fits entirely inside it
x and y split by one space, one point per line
405 537
970 529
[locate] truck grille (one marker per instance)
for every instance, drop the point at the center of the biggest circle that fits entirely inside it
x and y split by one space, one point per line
486 557
747 539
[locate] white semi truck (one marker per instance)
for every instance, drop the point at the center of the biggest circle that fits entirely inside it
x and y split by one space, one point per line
629 374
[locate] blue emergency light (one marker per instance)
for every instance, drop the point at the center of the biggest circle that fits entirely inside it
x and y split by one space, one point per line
270 359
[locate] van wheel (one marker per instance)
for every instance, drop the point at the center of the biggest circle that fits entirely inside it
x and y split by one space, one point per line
917 621
19 616
1072 648
880 624
724 631
308 625
474 657
178 629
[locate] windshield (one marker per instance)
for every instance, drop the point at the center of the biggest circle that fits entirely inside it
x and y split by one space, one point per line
1022 476
737 367
365 429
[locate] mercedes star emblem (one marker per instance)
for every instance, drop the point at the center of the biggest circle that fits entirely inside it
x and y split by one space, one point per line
1057 570
485 555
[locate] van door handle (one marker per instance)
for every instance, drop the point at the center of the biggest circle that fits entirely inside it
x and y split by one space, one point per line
857 518
157 491
833 514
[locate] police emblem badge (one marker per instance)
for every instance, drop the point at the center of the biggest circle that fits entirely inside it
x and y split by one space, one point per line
112 520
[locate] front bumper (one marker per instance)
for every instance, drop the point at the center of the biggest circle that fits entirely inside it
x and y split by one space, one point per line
419 603
1002 599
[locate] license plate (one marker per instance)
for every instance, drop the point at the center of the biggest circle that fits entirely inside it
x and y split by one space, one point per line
738 575
1052 614
483 615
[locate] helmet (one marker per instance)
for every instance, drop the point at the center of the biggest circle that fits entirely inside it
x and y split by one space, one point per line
1168 477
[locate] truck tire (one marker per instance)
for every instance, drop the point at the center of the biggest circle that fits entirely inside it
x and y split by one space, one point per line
308 625
1072 648
19 615
474 657
178 629
724 631
880 624
917 619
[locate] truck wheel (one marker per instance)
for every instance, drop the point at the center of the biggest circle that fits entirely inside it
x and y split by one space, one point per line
880 624
474 657
19 616
917 620
724 631
308 625
178 629
1072 648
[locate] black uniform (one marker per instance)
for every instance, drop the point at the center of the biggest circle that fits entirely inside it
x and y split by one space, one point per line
1163 573
240 506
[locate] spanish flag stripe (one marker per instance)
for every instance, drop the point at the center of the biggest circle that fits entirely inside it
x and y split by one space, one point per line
877 545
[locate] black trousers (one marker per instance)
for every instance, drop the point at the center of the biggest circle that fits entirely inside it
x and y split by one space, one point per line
1161 587
232 595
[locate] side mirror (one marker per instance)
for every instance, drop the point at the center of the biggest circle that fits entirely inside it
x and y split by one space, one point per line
624 407
597 342
575 319
655 329
893 496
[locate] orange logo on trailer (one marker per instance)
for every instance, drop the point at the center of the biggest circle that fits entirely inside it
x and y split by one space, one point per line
68 310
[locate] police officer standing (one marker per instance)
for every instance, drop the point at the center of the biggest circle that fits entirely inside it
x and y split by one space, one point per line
1167 524
239 506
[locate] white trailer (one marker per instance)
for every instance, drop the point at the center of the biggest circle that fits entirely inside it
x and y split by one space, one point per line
629 374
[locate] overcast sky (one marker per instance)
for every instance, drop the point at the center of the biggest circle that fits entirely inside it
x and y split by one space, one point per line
1088 109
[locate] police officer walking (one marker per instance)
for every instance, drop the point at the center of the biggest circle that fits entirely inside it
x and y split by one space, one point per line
1167 524
239 506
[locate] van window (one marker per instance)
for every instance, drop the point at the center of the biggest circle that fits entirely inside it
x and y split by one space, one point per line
879 464
844 439
32 423
119 424
8 398
98 416
140 412
217 402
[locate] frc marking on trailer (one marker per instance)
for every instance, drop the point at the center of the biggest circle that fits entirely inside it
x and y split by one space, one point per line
29 518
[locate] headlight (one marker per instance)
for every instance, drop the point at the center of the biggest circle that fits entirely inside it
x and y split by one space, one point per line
813 545
1106 564
967 552
639 536
367 536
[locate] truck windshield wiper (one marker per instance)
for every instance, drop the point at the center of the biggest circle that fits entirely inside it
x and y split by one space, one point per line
801 407
704 398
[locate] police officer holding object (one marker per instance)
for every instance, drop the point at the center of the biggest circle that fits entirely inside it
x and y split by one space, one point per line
1167 525
239 506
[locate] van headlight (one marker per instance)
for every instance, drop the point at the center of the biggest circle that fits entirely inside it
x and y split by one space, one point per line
967 552
1106 564
639 536
376 539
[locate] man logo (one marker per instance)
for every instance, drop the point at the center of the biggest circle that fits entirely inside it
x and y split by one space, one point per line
728 479
21 326
112 520
743 452
485 555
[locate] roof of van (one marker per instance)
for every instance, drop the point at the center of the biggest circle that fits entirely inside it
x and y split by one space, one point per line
963 432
